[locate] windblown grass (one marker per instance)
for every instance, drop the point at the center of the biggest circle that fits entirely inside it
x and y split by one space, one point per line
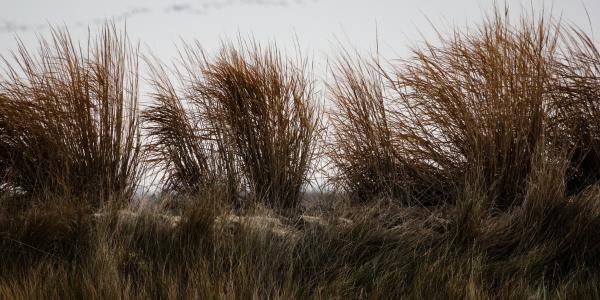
576 113
362 148
475 105
368 149
466 171
69 119
254 109
183 145
546 248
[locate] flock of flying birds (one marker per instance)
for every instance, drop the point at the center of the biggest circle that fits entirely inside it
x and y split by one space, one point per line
199 7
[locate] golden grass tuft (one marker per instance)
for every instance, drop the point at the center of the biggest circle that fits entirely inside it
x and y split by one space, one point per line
254 109
474 107
69 118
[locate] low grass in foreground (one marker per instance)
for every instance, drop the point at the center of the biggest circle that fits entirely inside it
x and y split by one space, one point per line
547 248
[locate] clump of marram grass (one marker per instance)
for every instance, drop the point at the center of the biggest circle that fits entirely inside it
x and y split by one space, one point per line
366 147
182 144
265 106
476 104
576 109
69 119
362 149
251 109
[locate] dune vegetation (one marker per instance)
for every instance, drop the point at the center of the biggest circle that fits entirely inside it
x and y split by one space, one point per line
470 169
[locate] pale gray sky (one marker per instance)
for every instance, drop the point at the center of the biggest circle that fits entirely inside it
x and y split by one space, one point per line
160 24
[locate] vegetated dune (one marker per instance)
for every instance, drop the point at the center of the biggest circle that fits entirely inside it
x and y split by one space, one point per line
467 170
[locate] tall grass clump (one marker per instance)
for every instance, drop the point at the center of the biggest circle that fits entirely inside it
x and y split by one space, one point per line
254 108
366 147
576 110
474 106
265 106
362 149
182 145
69 119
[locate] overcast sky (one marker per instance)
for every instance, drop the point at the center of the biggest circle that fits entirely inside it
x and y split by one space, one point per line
159 25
